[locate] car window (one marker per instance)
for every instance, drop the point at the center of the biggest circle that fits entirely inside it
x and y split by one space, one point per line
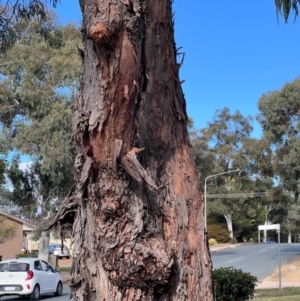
14 267
24 266
37 265
47 266
3 267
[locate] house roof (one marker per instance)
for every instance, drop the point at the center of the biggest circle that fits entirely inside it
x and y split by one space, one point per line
26 225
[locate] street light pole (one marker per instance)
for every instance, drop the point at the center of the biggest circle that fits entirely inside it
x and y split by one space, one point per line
212 176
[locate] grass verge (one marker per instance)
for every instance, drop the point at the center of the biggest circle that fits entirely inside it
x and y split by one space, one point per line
65 270
286 294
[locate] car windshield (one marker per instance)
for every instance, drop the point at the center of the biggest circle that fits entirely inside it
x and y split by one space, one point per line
55 246
14 267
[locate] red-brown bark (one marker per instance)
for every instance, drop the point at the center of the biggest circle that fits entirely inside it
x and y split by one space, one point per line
137 214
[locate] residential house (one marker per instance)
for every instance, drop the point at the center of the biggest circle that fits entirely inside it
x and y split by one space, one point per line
21 241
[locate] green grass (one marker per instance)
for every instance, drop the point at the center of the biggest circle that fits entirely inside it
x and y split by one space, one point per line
286 294
281 298
64 269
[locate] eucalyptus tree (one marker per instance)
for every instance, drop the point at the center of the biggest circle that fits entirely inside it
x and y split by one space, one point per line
280 119
138 225
136 211
136 179
38 85
224 139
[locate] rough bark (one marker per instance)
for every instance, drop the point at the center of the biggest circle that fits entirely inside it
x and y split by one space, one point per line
136 212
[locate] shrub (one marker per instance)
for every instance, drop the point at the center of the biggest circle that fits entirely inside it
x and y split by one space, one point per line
28 254
212 242
233 284
218 231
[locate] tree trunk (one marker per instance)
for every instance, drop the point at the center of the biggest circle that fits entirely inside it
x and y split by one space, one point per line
289 236
228 218
137 214
43 246
265 231
265 236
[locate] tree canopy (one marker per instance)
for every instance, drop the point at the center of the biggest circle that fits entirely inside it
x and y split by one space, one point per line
12 11
37 89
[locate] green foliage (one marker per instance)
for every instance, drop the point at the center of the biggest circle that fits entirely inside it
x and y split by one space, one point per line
13 11
233 284
7 230
2 171
212 242
219 149
226 145
280 120
284 8
38 86
218 232
28 254
65 270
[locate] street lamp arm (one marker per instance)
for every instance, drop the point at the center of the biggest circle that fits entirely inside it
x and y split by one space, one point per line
222 173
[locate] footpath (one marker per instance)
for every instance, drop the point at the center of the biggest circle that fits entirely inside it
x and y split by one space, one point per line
270 282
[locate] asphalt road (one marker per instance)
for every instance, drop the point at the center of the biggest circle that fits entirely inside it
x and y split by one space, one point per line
261 260
65 296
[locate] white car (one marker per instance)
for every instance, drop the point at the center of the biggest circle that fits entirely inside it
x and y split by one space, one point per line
30 277
55 249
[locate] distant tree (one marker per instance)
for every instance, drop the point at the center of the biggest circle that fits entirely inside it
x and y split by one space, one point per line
38 86
205 157
217 150
280 119
7 230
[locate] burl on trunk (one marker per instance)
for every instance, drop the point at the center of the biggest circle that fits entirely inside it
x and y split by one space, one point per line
136 212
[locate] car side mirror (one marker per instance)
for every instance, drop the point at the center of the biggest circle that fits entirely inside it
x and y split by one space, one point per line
56 270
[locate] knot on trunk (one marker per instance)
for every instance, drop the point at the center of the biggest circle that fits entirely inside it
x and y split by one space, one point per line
145 264
99 33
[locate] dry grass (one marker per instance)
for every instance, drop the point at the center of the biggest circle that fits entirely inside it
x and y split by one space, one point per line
289 272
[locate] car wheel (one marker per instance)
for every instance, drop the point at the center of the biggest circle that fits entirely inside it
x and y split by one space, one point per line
59 289
35 295
68 257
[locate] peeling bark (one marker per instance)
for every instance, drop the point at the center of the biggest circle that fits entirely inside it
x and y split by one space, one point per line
136 213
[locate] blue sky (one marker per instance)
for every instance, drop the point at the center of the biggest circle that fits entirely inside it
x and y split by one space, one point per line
235 51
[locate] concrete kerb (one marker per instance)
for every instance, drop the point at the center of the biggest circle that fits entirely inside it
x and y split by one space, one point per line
224 247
